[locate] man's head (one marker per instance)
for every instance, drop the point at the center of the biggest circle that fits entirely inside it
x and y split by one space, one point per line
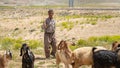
50 13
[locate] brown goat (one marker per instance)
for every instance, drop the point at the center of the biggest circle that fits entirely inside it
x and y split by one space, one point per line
63 54
115 45
5 58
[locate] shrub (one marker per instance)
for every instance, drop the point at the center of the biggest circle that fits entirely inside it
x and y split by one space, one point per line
81 42
67 25
73 47
35 43
6 43
10 43
104 38
93 23
92 39
16 46
95 41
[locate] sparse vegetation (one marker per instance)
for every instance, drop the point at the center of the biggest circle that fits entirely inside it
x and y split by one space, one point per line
7 7
67 25
95 41
11 43
35 43
89 18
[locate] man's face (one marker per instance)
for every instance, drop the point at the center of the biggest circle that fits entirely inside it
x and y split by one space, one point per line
51 14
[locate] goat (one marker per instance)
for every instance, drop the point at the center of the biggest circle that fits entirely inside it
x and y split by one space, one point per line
28 57
5 58
115 45
106 58
83 56
63 54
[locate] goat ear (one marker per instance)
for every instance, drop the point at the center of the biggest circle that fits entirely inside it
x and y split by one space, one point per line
113 44
59 45
118 45
6 52
65 44
21 51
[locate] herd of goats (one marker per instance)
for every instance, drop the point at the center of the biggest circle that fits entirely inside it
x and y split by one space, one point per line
97 57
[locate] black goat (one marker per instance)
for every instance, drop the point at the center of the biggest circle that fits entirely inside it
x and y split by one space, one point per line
28 57
105 58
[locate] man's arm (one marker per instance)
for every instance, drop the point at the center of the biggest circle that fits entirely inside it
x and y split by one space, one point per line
44 26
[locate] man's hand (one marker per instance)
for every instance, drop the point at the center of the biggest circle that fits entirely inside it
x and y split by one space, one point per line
44 26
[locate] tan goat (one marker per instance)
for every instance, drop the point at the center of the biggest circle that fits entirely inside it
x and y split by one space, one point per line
83 56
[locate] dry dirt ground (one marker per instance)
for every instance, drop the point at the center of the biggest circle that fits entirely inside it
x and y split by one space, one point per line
26 23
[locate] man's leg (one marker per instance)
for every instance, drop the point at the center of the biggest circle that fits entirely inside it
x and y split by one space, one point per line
46 45
53 44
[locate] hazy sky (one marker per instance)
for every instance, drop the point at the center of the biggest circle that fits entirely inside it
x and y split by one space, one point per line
55 2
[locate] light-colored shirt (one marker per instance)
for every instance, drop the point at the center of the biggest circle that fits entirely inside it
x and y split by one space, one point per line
50 23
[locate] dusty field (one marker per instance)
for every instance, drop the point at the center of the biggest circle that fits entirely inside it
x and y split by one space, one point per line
26 23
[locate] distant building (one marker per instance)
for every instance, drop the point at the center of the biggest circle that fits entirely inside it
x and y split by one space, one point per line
71 3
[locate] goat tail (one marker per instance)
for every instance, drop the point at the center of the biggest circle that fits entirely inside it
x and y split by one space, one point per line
93 49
